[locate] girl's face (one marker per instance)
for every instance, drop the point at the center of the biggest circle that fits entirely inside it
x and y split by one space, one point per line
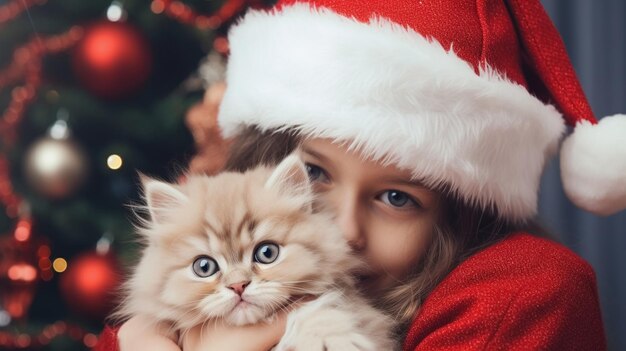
386 217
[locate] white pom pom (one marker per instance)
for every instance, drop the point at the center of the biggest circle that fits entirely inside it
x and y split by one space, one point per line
593 165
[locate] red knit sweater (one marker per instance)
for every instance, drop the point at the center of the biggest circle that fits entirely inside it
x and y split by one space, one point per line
522 293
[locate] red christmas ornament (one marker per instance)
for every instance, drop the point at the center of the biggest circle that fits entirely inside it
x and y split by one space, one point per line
112 60
90 283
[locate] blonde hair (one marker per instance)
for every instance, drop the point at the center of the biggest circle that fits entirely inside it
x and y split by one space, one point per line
404 300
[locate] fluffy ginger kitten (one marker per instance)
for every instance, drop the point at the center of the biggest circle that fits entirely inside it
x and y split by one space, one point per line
238 247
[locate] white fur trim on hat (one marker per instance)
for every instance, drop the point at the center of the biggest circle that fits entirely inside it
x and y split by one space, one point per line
593 165
394 95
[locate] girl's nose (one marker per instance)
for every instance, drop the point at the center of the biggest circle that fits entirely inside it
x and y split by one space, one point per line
348 218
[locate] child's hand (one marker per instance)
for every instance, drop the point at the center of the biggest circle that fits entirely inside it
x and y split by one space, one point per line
138 333
219 336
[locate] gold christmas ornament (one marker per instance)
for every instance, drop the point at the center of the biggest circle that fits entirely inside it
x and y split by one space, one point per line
55 165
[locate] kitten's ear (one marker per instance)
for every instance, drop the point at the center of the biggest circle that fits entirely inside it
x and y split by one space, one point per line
291 177
161 198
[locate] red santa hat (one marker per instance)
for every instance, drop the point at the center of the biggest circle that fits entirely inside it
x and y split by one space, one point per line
471 94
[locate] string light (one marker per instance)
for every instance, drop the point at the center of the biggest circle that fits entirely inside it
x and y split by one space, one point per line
22 230
59 265
22 271
181 12
115 12
26 65
14 8
12 340
5 318
44 251
114 162
44 263
10 200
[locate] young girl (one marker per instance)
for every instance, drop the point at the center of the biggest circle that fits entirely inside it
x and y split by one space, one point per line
425 127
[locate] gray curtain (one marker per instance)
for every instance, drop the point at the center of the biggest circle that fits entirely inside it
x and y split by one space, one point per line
595 36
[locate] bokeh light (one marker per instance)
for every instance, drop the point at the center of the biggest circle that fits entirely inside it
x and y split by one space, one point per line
114 162
59 265
5 318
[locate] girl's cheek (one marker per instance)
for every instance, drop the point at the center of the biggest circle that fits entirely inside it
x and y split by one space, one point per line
398 245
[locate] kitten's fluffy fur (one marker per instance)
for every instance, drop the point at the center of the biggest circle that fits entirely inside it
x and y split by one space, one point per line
227 217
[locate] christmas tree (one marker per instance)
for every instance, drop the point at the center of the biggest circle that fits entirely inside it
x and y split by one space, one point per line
90 93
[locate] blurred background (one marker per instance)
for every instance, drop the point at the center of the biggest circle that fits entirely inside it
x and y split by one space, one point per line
594 33
90 93
93 91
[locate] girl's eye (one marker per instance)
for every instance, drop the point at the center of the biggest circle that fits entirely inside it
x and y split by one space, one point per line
398 199
316 173
205 266
266 253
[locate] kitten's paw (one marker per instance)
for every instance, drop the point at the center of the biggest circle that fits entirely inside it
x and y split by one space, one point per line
353 342
326 324
301 345
334 343
325 330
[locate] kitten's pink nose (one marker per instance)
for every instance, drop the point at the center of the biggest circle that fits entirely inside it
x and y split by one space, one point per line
239 287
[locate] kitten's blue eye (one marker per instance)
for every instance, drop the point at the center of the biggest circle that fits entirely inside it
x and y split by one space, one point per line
398 199
316 173
205 266
266 253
